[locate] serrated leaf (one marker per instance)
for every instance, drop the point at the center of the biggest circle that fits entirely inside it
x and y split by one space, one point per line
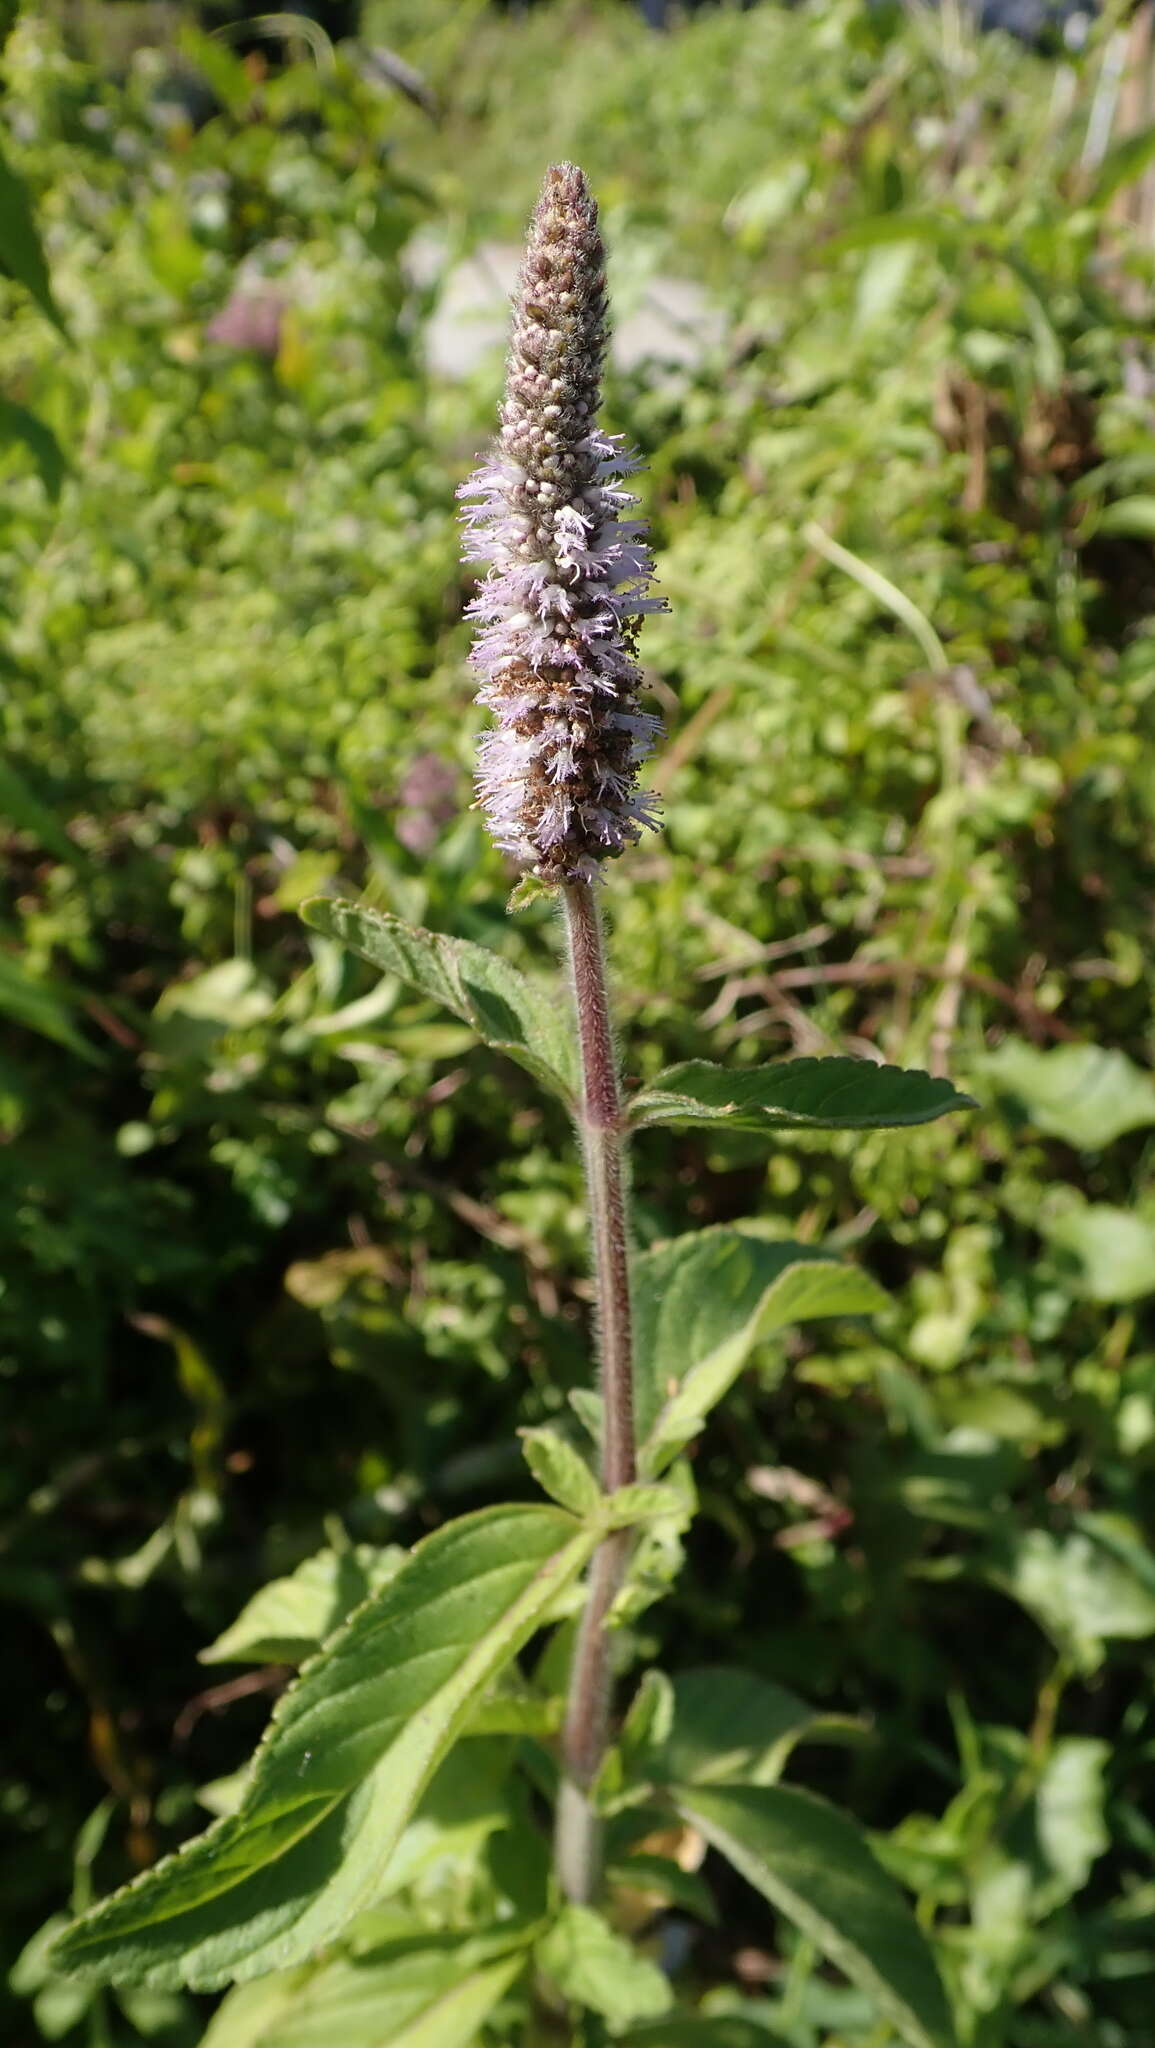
349 1751
560 1471
801 1095
813 1864
1080 1093
731 1726
702 1302
291 1617
21 250
427 1996
528 1021
600 1970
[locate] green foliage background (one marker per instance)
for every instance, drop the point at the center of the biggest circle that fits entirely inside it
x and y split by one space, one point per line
286 1260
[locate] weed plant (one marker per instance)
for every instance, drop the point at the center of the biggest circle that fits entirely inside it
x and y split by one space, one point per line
288 1260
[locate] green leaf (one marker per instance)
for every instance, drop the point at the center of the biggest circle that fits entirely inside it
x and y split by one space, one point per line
20 804
702 1302
813 1864
1115 1248
795 1095
586 1403
699 2030
759 208
40 1006
1122 1539
1129 518
881 283
1069 1809
1079 1093
560 1471
464 1806
19 425
600 1970
648 1720
1123 163
512 1708
645 1503
290 1618
349 1751
729 1725
527 1021
21 250
1078 1588
190 1016
881 228
427 1996
657 1556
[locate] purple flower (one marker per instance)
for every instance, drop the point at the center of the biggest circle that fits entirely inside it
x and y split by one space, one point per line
569 576
250 319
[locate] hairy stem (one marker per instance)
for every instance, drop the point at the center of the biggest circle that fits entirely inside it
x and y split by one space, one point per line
586 1727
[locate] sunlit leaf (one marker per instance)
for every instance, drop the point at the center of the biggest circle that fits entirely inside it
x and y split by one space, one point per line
430 1995
703 1301
1130 518
1115 1249
291 1617
559 1470
1079 1589
1069 1809
597 1968
1081 1093
349 1751
803 1094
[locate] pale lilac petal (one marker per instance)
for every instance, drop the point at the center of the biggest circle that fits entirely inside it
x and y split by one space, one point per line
569 576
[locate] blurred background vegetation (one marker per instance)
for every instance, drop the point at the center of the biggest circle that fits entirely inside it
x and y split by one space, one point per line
285 1260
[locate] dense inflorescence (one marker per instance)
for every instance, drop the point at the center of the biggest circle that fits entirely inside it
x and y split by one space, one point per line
569 575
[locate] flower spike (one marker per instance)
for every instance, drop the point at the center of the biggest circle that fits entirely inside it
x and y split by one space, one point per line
569 576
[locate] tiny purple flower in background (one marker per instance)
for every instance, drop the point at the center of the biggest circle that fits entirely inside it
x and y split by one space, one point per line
569 575
250 319
427 797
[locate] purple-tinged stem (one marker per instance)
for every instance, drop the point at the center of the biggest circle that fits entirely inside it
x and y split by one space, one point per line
586 1728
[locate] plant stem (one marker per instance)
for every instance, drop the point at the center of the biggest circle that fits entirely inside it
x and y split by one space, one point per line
586 1727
